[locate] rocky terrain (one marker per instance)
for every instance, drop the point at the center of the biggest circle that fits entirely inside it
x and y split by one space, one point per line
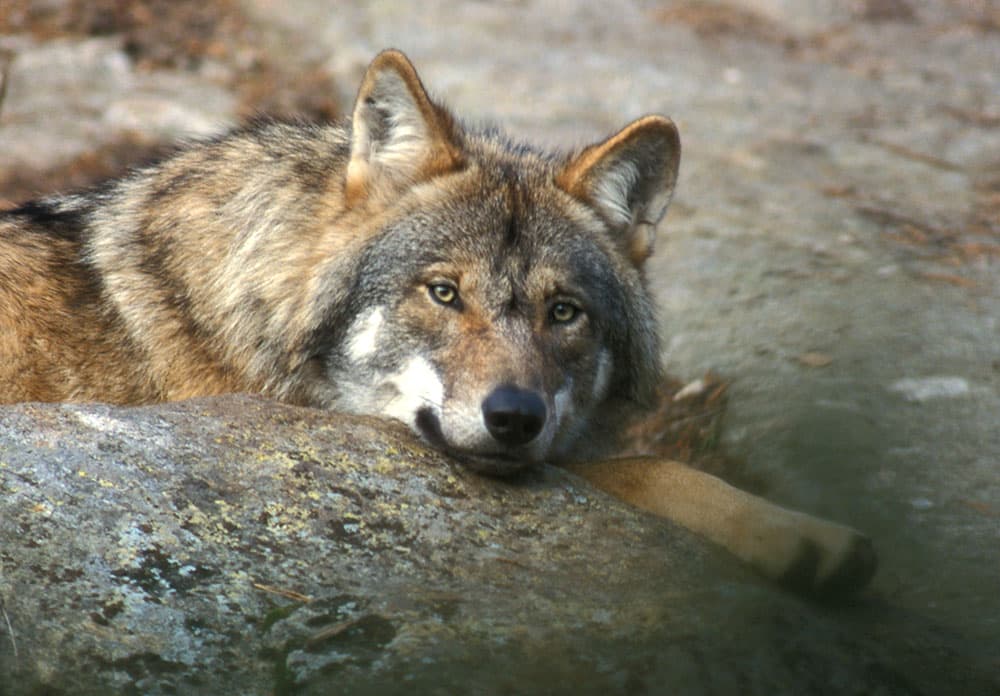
832 253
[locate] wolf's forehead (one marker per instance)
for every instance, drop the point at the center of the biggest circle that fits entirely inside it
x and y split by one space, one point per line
534 261
510 226
507 223
513 208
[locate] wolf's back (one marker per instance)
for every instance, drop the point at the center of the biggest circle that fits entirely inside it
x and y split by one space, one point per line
183 278
58 339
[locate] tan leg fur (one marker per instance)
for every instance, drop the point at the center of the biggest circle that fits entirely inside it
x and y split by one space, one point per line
809 554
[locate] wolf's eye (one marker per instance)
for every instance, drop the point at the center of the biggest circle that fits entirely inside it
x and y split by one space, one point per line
563 312
443 293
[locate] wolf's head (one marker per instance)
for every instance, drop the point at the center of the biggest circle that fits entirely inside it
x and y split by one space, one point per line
497 299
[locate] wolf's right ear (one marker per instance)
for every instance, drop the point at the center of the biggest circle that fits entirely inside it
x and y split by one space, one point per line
629 179
398 135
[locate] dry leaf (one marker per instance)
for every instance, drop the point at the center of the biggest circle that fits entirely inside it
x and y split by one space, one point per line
815 359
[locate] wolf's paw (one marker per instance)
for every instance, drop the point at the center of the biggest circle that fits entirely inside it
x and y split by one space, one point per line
818 558
831 573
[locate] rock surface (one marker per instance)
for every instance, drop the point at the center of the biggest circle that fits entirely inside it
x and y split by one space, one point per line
832 250
239 546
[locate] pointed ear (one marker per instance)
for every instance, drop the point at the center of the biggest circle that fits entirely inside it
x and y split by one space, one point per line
629 179
398 135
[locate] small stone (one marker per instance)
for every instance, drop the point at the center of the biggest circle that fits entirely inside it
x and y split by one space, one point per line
923 389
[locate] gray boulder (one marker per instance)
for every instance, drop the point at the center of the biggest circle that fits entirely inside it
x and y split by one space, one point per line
236 545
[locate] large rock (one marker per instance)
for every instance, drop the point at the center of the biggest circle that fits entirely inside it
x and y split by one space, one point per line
241 546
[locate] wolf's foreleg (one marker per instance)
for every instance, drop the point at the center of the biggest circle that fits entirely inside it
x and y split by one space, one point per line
810 555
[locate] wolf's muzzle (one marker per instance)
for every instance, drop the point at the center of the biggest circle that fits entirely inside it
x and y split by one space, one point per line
514 416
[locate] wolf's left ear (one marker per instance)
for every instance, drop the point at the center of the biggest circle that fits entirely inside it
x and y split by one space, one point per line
398 135
629 178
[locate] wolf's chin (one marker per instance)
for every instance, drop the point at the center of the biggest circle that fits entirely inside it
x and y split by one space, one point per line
499 465
493 464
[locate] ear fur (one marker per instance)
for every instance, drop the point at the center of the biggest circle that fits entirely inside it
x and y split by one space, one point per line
629 179
398 135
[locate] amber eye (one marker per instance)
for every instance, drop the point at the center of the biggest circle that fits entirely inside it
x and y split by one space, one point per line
443 293
563 312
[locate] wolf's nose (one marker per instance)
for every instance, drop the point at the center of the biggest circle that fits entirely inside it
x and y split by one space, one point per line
514 416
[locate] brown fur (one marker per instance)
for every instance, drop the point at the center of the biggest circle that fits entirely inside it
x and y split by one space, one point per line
266 259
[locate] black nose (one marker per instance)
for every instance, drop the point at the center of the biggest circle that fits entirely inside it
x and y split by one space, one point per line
514 416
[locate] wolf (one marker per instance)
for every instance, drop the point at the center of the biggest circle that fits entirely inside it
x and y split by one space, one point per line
489 294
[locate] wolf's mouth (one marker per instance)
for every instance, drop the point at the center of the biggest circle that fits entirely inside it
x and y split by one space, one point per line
492 463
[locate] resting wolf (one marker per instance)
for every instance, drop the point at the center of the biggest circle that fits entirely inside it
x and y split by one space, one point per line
487 294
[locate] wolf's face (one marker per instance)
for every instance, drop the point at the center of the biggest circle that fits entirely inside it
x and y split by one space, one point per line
498 297
487 319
